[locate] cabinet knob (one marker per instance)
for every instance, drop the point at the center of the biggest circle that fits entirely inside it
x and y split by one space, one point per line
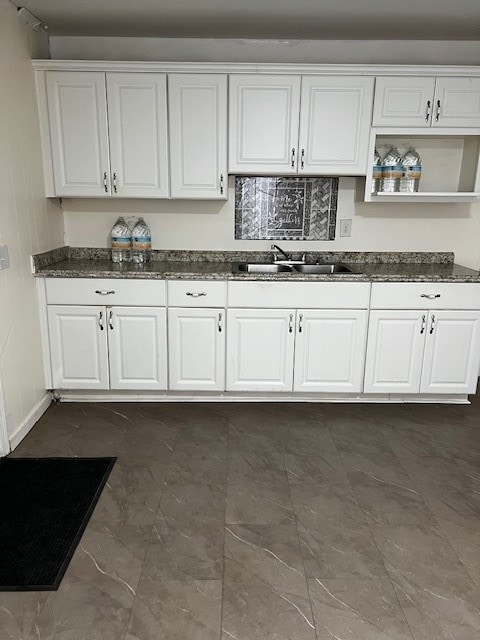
110 320
115 182
424 324
103 292
437 113
430 296
290 323
196 294
302 159
428 113
100 321
105 185
300 323
221 184
293 158
432 326
220 324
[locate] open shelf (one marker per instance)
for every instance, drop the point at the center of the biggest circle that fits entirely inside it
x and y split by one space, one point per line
450 166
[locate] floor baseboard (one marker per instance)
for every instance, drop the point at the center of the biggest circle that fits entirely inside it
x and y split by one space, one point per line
30 420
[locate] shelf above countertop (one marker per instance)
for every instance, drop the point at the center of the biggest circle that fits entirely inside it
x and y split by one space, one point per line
426 196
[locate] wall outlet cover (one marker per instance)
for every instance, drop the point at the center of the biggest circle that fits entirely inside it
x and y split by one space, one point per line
4 257
346 227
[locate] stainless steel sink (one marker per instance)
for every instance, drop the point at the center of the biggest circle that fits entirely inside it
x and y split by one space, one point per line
255 267
322 268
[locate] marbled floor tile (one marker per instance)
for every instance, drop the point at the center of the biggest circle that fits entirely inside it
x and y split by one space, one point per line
258 496
357 609
294 415
132 493
188 534
19 613
326 466
254 437
202 464
463 533
307 441
357 436
434 589
246 462
334 550
332 501
176 610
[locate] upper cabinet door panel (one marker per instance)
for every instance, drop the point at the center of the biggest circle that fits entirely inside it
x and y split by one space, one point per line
403 101
335 124
198 135
457 102
264 112
77 113
137 118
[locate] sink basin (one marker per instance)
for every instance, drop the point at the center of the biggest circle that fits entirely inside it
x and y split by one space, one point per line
255 267
322 268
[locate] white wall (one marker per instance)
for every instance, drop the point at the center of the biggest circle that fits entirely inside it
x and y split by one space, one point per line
180 224
28 222
306 51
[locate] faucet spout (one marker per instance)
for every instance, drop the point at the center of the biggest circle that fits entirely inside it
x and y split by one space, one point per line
277 248
287 258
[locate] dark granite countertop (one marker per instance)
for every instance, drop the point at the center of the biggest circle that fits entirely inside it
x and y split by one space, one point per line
188 265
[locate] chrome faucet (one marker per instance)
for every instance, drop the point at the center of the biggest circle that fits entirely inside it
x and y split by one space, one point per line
287 258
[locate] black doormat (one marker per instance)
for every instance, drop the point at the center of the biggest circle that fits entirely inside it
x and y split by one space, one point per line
45 505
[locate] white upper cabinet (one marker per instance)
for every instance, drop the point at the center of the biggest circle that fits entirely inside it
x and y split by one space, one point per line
77 115
405 101
452 352
263 125
330 350
457 102
198 135
137 341
335 124
137 122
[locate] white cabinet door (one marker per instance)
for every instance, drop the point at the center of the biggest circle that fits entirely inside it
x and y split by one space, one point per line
78 347
263 124
335 121
137 122
452 352
330 350
77 114
196 346
403 101
395 347
198 135
137 340
457 102
260 348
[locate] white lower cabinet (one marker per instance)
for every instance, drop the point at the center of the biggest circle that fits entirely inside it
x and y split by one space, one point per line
423 352
95 347
330 350
196 345
137 343
78 347
452 352
260 349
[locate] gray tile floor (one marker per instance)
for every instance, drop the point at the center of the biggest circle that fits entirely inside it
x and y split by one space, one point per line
268 521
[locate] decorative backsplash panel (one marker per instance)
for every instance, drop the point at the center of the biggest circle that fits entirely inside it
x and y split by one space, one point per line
285 208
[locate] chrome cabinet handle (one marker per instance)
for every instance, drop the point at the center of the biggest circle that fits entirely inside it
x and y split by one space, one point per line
100 321
110 320
428 114
105 186
221 184
432 326
220 325
302 159
290 323
430 296
437 114
115 182
103 292
424 324
300 323
293 158
195 294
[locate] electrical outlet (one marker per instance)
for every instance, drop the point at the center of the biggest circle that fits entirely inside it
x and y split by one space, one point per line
346 227
4 258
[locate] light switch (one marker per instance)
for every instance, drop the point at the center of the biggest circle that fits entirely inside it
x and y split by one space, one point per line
345 227
4 259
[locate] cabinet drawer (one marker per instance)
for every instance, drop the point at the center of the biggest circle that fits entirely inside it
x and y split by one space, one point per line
428 295
305 295
197 293
131 292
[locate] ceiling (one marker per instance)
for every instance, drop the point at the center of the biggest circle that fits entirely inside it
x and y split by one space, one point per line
263 19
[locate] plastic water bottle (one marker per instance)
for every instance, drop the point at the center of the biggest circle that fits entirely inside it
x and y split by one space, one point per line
377 172
392 171
142 242
412 165
121 240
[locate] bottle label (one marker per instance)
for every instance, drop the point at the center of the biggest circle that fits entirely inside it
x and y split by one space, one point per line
413 173
142 243
377 171
120 242
392 171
